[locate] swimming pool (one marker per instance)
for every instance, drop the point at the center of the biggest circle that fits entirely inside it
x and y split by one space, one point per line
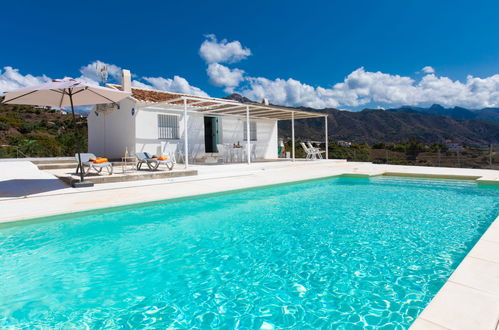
336 252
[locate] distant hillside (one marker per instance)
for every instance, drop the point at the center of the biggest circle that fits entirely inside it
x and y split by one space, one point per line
430 125
372 126
489 114
37 132
238 98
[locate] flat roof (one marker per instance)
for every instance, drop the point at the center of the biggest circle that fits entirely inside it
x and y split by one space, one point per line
217 106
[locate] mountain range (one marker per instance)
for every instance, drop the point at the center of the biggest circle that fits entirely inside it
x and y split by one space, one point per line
489 114
431 125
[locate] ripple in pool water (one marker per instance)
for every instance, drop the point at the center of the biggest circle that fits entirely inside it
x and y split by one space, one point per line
334 253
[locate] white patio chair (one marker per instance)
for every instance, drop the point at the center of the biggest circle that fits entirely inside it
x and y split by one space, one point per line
170 150
310 154
253 151
195 151
243 153
229 147
316 150
222 150
180 153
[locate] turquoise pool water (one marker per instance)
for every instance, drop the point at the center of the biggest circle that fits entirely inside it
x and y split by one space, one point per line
335 253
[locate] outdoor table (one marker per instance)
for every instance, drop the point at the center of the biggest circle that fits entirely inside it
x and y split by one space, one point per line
237 154
128 164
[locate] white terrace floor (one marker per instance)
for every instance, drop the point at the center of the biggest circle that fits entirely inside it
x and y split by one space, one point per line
469 299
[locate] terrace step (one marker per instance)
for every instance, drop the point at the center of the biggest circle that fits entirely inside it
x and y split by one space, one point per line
53 161
73 164
143 175
56 166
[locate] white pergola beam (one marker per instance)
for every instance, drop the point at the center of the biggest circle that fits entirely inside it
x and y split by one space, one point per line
327 137
186 138
200 102
219 101
293 134
248 136
265 111
234 108
218 107
229 110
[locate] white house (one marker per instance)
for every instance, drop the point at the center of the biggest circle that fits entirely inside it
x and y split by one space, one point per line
453 146
160 122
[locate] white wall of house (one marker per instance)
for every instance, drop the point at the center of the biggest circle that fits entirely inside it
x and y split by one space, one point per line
111 132
267 139
147 135
231 131
266 135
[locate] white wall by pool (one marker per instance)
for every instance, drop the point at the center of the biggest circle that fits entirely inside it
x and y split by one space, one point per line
111 132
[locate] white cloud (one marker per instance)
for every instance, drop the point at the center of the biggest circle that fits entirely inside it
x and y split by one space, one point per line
428 69
221 75
175 85
359 88
362 87
213 51
288 92
10 79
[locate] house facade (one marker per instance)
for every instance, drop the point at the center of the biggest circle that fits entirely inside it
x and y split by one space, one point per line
156 122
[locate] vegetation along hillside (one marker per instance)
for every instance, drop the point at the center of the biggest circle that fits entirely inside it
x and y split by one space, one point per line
28 131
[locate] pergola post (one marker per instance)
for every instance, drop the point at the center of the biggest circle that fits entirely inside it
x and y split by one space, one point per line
186 138
248 136
326 137
293 135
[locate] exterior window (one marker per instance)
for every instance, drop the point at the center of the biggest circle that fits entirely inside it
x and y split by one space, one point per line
167 127
252 131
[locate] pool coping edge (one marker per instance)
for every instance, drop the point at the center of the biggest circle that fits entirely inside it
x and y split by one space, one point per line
461 303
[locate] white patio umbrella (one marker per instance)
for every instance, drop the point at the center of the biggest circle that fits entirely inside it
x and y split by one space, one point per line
63 93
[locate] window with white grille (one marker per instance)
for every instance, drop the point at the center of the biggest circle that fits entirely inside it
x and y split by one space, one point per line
252 130
167 127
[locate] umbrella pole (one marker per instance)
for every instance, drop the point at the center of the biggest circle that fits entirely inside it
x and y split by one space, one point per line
76 134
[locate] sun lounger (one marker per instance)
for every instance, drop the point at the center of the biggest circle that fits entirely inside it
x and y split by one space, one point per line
311 153
316 150
87 161
153 162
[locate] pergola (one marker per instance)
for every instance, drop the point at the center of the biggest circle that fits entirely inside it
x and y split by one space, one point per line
224 107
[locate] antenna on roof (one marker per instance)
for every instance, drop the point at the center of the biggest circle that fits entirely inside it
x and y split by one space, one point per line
101 70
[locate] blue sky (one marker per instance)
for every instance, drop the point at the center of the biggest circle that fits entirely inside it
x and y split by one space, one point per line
296 52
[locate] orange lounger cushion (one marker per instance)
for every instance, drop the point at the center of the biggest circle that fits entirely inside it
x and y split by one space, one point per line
100 160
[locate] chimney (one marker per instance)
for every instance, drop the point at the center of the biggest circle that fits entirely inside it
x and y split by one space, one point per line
265 101
126 81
